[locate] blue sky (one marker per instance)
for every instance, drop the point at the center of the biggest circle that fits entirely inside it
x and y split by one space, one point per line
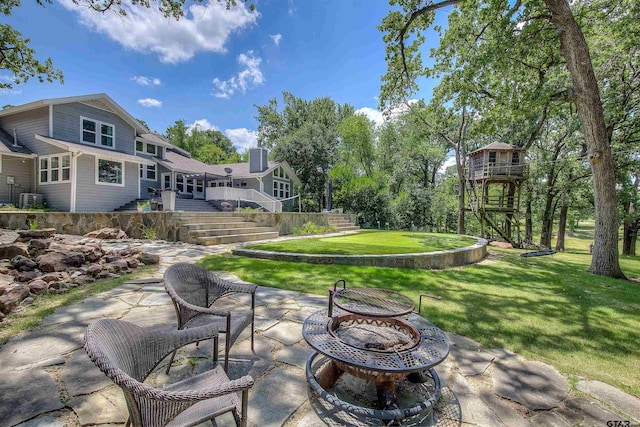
214 65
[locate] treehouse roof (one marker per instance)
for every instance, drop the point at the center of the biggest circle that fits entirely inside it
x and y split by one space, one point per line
499 146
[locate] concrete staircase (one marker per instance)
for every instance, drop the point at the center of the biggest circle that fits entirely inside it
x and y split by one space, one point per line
341 223
220 228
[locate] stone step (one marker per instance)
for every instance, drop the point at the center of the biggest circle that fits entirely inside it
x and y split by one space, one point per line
229 231
336 223
235 238
218 225
195 219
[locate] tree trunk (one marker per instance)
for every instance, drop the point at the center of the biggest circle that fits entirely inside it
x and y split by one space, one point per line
574 49
562 226
528 221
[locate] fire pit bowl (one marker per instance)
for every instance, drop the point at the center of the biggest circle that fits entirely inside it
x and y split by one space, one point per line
388 335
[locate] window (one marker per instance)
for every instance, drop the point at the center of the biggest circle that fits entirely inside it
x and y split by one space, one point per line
492 156
280 173
151 149
95 132
166 181
139 146
55 169
275 189
148 172
109 172
515 158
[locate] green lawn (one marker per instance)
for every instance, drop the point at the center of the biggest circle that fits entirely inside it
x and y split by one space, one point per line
545 308
371 242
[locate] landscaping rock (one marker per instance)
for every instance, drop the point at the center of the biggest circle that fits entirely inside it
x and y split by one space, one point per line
148 259
132 262
5 279
12 296
27 235
117 266
11 250
58 261
94 270
536 385
83 280
503 245
107 233
58 276
38 285
39 244
22 263
27 276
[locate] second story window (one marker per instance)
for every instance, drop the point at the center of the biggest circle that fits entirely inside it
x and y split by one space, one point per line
151 149
97 133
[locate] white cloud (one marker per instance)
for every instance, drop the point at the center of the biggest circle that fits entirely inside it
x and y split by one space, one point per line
242 138
202 124
204 28
372 114
292 8
449 161
150 102
146 81
249 77
276 38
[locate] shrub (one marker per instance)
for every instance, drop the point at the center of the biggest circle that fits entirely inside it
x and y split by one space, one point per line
311 228
149 233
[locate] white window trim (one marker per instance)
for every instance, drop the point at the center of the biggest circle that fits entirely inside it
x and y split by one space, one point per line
108 184
59 181
98 142
162 179
159 149
144 169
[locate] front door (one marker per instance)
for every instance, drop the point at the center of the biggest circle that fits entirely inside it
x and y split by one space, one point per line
166 181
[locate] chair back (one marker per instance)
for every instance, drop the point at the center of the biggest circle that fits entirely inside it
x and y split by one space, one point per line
193 283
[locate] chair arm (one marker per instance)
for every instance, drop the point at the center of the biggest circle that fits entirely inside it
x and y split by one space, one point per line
182 337
196 308
232 386
247 288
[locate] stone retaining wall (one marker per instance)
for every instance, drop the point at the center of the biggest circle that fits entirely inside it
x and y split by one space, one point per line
429 260
133 223
166 224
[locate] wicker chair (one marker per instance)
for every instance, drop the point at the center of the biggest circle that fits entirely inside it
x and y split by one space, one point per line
127 354
194 289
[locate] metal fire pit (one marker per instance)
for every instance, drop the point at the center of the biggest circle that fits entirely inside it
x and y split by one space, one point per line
374 335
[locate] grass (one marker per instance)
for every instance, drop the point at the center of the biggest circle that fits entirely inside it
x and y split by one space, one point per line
370 242
545 308
32 316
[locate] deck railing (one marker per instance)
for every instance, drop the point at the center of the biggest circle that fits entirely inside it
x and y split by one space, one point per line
505 170
247 195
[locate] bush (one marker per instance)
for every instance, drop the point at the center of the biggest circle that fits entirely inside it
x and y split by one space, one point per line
311 228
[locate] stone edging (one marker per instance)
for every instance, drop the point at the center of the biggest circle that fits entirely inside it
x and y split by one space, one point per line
426 260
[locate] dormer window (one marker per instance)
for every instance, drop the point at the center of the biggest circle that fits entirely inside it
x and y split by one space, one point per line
151 149
97 133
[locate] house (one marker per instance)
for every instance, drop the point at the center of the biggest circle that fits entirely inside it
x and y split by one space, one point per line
87 154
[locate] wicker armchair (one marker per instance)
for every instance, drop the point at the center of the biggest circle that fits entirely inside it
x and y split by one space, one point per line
194 289
127 354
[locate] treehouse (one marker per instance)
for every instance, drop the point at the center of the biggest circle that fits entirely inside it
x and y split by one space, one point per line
494 176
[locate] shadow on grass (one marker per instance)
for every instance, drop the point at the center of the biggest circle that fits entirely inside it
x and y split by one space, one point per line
546 308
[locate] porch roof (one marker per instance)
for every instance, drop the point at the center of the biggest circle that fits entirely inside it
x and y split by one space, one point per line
94 151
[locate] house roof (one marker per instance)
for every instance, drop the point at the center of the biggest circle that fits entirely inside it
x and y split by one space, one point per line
178 163
7 145
99 100
95 151
156 138
499 146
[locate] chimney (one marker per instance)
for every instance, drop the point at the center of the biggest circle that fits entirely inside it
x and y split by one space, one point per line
15 138
258 160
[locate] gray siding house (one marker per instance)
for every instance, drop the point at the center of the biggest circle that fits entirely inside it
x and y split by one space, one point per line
87 154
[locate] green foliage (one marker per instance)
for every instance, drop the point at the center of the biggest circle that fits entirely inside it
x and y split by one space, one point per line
33 224
365 196
311 228
305 135
150 233
249 210
208 146
144 206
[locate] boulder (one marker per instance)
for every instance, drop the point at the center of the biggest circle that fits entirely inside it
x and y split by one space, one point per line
38 285
83 280
5 280
57 261
117 266
132 262
94 270
22 263
107 233
226 206
11 250
148 259
12 296
503 245
27 235
27 276
57 276
39 244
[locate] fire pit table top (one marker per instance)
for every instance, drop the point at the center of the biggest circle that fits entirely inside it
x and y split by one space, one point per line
373 302
431 349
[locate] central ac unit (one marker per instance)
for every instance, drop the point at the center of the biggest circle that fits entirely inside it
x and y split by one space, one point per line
28 200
